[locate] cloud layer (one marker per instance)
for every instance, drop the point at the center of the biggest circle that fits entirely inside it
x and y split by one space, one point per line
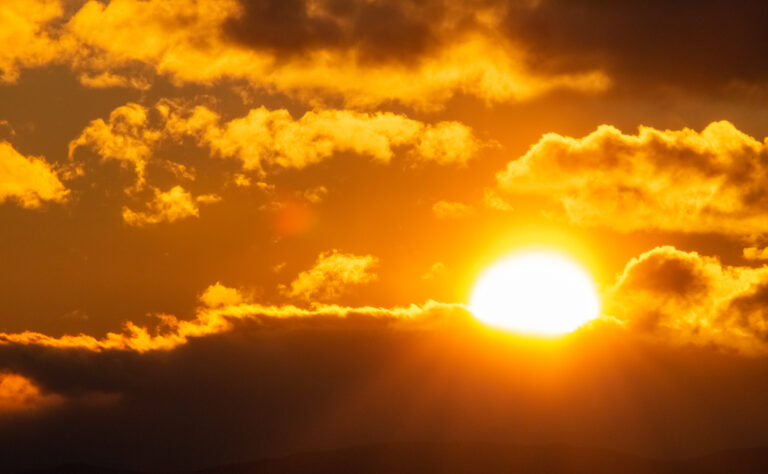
267 139
310 50
693 299
28 180
677 180
331 275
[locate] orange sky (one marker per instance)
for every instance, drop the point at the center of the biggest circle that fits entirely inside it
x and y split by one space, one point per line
290 200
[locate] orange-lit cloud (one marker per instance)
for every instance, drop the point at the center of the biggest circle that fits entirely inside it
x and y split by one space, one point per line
126 137
461 50
452 210
24 35
688 181
668 294
218 295
19 394
647 44
437 270
222 307
315 195
755 253
106 80
693 299
332 274
272 138
28 180
168 206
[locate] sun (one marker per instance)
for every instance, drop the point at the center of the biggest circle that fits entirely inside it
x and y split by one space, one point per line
535 292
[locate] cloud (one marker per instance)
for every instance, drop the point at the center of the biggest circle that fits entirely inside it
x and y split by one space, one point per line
293 27
437 270
494 200
223 306
691 45
755 253
24 35
693 299
19 394
316 194
316 51
321 50
332 274
273 138
218 295
28 180
452 210
126 137
168 206
106 80
267 386
675 180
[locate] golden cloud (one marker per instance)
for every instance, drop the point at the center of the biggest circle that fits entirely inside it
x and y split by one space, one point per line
126 137
218 295
19 394
452 210
437 270
272 137
688 181
26 43
668 294
168 206
694 299
755 253
120 42
332 274
106 80
28 180
222 307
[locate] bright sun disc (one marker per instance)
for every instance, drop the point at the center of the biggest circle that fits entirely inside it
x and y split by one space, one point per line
540 293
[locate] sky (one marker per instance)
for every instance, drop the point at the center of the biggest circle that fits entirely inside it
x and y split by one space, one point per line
232 229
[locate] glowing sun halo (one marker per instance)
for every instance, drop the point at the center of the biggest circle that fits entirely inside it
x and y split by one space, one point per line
537 292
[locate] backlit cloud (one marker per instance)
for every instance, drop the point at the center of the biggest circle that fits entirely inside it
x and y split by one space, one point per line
690 45
222 307
24 35
125 137
28 180
311 50
452 210
332 274
755 253
19 394
273 138
678 180
318 50
693 299
168 206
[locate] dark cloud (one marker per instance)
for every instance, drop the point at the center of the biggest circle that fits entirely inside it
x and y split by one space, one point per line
673 273
693 299
378 30
688 43
683 42
749 312
277 386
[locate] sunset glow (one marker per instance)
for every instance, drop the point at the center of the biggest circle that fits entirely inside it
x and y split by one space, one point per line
236 231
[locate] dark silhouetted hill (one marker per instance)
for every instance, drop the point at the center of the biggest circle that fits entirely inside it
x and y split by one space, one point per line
476 458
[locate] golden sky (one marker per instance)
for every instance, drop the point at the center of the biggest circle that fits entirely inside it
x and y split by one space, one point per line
255 225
